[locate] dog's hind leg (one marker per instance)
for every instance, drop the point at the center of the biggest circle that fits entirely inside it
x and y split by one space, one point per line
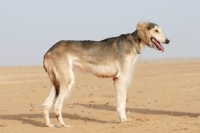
47 105
66 82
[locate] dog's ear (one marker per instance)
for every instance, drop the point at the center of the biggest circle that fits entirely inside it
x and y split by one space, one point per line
142 26
142 29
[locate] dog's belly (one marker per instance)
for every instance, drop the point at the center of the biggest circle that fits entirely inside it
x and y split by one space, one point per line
103 71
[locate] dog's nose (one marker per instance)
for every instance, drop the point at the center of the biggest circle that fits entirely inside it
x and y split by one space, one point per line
167 41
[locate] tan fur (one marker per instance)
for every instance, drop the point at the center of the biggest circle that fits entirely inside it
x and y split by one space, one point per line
143 31
110 58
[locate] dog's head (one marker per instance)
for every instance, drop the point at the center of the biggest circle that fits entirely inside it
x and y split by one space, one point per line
152 35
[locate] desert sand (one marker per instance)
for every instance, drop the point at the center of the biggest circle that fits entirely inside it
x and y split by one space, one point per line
164 97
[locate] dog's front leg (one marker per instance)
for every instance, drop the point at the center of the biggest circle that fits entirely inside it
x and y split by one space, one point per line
121 87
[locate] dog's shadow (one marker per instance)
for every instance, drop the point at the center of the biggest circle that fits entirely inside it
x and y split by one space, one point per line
31 118
142 111
24 118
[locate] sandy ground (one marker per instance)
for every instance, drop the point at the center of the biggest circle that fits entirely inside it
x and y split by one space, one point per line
163 97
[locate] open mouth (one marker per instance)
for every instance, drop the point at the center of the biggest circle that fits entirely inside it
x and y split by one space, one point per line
157 44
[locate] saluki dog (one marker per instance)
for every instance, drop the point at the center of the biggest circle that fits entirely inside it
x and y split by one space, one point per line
109 58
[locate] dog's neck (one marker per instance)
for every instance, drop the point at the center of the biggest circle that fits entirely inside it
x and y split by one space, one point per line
137 42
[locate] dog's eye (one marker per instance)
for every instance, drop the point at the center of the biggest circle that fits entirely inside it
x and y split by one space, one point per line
156 31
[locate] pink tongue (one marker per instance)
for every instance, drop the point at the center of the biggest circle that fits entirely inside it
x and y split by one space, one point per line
159 46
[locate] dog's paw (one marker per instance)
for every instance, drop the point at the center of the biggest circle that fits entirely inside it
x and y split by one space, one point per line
49 125
63 125
129 120
126 120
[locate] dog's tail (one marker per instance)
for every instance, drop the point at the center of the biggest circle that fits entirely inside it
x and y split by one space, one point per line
54 78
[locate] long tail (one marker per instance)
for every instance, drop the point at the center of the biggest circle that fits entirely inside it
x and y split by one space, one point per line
51 70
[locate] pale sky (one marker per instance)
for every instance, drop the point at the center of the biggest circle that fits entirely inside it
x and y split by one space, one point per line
28 28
